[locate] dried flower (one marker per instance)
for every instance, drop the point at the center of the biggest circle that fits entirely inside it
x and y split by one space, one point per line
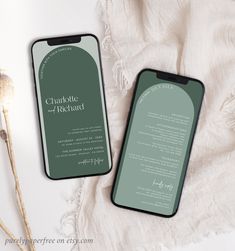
3 135
6 94
6 89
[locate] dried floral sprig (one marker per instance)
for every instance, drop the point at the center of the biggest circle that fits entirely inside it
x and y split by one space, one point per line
10 235
6 92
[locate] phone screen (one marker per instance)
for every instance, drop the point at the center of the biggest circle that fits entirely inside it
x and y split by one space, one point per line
157 143
71 105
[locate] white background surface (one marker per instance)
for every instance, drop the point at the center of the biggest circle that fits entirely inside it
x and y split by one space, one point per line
46 201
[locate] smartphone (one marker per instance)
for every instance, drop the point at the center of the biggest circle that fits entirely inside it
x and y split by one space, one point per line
157 142
71 106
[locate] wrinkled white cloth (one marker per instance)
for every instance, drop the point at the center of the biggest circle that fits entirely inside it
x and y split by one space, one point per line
194 38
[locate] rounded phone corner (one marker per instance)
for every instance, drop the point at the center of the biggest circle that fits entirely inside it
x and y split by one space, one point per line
33 43
141 72
113 199
199 82
108 170
110 164
202 85
171 215
94 36
49 176
175 211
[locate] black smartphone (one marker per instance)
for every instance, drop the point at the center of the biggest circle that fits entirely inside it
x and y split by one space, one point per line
71 106
157 142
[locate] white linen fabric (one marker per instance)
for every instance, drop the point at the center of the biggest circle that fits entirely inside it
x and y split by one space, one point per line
194 38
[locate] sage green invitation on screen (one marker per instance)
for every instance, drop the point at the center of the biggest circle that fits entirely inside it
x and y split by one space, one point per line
158 142
71 108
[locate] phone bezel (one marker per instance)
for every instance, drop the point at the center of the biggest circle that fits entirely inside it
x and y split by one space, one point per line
170 76
70 38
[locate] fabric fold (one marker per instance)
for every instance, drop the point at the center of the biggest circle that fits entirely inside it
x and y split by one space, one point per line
193 38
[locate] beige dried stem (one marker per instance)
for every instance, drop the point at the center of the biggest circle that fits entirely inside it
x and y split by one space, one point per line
10 235
6 93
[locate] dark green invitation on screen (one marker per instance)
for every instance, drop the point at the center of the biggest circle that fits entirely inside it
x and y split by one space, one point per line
72 108
157 144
